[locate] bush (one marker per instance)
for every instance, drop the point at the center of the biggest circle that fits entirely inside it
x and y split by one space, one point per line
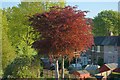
114 76
23 67
91 78
1 73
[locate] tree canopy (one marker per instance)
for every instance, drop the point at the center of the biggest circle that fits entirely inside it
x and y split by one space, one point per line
63 31
8 52
106 22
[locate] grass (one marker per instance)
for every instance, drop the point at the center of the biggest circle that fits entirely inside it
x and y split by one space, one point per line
115 73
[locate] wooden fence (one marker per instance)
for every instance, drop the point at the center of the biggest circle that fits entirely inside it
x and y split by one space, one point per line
51 74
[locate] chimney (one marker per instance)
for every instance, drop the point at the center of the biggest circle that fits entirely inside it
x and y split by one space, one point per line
111 33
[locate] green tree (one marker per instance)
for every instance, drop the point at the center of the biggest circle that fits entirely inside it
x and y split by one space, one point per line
0 43
100 61
8 52
16 31
19 32
106 22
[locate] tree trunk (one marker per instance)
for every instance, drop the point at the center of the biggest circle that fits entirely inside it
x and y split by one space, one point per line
76 63
63 67
56 69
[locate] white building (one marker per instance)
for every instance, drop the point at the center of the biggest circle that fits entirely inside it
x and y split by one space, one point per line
106 48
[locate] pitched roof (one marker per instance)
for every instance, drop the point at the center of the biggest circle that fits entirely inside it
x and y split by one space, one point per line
107 40
112 65
83 72
92 67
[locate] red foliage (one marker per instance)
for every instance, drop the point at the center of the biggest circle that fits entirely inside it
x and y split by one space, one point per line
64 30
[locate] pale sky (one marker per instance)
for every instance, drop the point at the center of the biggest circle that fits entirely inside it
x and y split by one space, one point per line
94 6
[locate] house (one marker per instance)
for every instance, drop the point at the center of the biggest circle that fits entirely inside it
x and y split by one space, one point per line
82 74
106 49
92 69
106 69
83 59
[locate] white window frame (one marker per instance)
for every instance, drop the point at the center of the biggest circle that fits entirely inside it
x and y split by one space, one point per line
93 48
98 48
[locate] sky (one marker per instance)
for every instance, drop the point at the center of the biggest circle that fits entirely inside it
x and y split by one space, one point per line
94 6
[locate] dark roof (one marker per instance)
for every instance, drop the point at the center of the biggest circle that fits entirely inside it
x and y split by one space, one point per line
92 67
107 40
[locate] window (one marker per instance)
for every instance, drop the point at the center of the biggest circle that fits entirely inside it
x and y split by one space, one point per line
98 48
93 48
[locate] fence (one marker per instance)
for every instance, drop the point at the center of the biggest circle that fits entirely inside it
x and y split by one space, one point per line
51 74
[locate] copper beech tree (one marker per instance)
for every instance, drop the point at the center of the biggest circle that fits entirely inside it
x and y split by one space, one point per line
63 30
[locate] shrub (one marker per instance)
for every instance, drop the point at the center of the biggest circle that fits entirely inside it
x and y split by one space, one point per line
23 67
91 78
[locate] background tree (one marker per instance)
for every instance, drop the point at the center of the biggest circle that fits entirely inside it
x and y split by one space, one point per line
106 22
19 32
63 31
